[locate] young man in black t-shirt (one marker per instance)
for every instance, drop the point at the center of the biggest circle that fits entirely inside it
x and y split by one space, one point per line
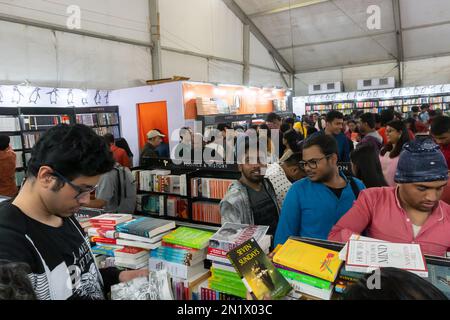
38 227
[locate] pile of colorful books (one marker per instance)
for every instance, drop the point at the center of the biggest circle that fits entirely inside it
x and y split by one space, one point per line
183 253
310 270
224 277
126 239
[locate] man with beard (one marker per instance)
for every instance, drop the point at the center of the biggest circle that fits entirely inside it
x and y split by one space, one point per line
252 199
314 205
409 213
38 227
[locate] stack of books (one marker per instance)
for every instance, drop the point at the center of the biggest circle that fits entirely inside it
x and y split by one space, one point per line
309 269
131 258
224 277
102 230
144 233
84 216
182 253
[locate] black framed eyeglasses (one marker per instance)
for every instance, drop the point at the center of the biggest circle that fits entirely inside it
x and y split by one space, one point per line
81 192
313 163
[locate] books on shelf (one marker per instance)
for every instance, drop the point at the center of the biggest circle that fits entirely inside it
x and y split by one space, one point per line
257 272
20 176
206 212
19 159
30 139
101 131
189 237
161 181
9 124
210 187
163 205
316 261
145 227
366 256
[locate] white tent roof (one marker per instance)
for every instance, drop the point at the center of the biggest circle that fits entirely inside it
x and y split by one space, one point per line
324 34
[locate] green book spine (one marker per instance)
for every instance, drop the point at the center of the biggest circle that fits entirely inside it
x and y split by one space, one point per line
312 281
225 274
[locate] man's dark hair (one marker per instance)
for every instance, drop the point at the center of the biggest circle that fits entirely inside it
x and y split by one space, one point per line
387 115
440 125
368 118
395 284
109 138
14 282
326 143
294 159
223 126
333 115
4 142
415 109
377 118
272 117
73 151
290 121
424 106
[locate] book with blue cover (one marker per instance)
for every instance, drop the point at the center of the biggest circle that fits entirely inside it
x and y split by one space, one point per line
146 227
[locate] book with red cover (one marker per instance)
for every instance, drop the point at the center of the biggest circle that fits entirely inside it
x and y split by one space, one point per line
103 240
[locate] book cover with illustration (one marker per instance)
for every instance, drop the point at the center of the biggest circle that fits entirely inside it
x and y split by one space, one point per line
258 273
313 260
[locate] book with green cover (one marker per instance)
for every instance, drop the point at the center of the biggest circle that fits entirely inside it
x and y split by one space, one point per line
226 288
258 273
189 237
303 278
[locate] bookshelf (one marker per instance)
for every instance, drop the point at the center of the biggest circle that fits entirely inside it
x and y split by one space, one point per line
102 120
197 207
376 105
244 120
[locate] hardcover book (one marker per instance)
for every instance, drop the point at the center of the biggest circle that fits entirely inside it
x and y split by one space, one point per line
367 256
258 273
232 234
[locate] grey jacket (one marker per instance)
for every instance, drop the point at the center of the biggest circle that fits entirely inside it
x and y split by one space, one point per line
235 206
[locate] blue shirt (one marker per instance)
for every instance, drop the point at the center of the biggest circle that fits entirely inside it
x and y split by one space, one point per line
163 150
311 209
343 145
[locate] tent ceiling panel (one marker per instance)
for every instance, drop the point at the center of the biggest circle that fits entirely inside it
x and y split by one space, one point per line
350 52
422 42
419 12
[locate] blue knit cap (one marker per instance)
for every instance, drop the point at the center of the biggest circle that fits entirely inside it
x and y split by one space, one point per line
421 161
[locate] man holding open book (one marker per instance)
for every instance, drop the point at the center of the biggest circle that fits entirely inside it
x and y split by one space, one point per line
410 213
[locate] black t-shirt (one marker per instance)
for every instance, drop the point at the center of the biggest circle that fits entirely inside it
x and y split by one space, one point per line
264 209
337 192
61 262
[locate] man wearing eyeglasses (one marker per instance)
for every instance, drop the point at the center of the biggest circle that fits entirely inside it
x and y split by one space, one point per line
313 205
38 227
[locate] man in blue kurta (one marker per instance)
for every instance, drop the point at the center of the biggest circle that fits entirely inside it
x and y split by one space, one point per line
313 205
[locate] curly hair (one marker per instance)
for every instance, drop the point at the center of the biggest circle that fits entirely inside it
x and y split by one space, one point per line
73 151
14 282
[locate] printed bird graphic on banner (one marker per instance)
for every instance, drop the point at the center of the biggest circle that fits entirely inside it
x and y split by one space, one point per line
70 97
98 97
107 97
35 96
17 95
53 96
84 100
1 96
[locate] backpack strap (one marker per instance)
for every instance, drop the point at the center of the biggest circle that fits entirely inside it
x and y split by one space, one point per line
119 187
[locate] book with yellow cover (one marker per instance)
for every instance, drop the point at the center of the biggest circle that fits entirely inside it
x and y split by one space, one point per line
316 261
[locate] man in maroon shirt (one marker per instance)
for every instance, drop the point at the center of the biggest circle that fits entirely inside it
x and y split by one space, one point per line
440 130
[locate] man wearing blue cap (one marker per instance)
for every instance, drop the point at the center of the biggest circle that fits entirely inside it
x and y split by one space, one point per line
410 213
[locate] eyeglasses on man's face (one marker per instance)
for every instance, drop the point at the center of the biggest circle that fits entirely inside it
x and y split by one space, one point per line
81 192
313 163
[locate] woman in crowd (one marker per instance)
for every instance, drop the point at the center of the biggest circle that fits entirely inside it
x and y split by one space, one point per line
366 166
291 140
398 136
122 143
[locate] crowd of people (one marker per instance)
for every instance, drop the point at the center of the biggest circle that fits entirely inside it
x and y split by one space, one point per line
395 189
